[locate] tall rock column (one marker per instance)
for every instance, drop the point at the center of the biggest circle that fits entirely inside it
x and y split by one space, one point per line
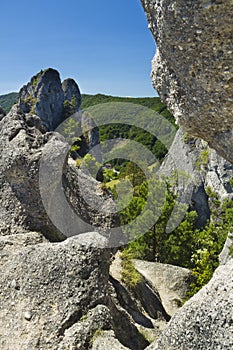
192 69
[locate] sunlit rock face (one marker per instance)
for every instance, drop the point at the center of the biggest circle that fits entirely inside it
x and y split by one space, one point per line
192 69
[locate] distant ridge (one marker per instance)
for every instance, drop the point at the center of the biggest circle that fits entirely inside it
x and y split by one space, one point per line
7 101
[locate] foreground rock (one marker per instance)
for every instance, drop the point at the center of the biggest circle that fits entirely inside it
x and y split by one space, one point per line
51 294
170 282
146 306
206 320
192 69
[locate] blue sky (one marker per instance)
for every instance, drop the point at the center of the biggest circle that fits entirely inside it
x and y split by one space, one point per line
104 45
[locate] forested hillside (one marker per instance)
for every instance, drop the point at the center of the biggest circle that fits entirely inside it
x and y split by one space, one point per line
7 101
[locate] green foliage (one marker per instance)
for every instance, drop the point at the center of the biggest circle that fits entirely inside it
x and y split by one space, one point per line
109 175
203 158
70 106
130 276
8 100
96 334
111 131
196 249
157 244
187 138
89 163
209 242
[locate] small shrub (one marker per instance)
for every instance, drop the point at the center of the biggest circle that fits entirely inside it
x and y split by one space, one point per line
96 334
130 276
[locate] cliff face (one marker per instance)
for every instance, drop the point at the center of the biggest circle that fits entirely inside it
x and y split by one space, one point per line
201 167
192 69
193 74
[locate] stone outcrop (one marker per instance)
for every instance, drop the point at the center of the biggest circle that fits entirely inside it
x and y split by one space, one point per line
53 102
45 95
23 142
192 72
192 69
147 306
52 295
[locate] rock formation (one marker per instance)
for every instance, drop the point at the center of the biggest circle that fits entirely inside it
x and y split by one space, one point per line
52 295
205 321
53 290
192 72
192 68
55 101
23 141
45 95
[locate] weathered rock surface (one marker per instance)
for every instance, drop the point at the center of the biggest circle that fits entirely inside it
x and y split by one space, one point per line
46 289
52 295
170 282
192 68
206 320
53 102
197 167
145 307
23 142
107 340
45 95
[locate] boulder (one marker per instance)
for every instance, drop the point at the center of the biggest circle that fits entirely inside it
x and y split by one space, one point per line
205 321
51 293
171 283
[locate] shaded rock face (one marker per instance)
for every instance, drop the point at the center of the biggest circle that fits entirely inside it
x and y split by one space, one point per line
44 95
192 69
200 167
47 97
